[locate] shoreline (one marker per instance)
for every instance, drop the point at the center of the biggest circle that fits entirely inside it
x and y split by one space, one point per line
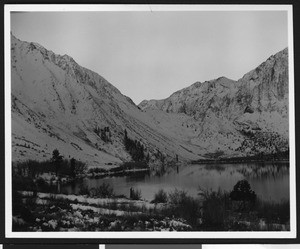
239 160
117 173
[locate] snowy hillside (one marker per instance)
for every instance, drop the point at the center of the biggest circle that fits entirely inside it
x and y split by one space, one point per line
234 118
58 104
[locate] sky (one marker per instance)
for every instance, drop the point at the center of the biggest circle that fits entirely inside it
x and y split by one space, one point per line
150 55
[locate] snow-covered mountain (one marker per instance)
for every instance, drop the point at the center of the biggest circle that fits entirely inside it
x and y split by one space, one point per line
243 117
56 103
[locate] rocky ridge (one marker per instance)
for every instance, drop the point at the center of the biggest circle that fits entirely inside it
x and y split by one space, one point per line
56 103
245 117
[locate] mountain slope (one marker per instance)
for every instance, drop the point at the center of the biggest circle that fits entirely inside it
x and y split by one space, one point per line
58 104
244 117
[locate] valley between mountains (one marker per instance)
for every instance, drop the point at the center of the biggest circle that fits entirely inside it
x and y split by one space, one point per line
85 157
57 104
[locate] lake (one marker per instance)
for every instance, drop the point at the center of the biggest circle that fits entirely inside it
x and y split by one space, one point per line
270 181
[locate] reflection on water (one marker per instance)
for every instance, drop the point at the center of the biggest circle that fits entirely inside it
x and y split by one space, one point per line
269 181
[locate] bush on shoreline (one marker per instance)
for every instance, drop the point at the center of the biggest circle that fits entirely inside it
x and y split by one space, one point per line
160 197
135 194
215 204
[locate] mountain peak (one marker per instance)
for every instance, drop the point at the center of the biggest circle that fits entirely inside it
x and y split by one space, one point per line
56 103
68 58
276 62
222 78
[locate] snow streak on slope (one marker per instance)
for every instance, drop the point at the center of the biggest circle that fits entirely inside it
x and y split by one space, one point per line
244 117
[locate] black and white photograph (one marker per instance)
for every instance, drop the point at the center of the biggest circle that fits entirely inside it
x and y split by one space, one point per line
149 121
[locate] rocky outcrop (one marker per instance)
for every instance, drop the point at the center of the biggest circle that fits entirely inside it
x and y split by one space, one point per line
224 108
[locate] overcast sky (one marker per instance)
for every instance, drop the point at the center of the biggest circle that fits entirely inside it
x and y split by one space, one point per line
150 55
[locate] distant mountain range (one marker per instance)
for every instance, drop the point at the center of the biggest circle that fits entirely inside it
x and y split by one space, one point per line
56 103
247 116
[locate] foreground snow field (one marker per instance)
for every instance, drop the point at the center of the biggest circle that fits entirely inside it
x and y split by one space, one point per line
60 212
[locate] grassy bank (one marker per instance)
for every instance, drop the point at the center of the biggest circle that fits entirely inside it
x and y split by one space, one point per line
102 210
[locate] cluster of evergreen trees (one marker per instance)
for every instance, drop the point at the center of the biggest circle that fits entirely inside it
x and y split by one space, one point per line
71 167
104 133
56 164
134 148
160 156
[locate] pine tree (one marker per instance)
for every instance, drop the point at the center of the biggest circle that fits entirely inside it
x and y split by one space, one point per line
135 148
72 167
56 160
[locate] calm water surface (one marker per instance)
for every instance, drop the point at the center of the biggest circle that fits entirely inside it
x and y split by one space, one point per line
269 181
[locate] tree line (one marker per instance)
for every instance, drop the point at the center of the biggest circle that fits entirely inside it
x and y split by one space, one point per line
135 148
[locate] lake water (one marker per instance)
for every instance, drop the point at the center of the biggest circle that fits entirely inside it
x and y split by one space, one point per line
269 181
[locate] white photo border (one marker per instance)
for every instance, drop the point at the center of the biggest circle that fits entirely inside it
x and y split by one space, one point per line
145 235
